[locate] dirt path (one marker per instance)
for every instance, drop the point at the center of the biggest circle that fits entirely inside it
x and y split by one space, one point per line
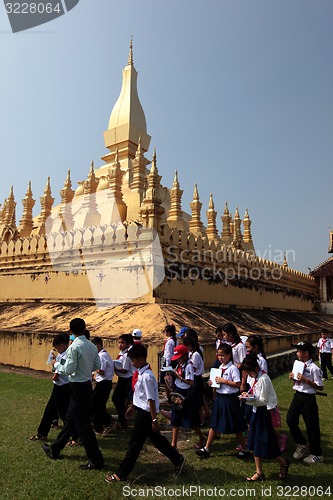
24 371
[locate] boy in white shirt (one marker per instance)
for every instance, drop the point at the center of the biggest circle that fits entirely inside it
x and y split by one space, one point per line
102 389
146 406
304 404
123 393
325 351
59 399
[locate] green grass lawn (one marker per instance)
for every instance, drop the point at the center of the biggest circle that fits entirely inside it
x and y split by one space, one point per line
26 473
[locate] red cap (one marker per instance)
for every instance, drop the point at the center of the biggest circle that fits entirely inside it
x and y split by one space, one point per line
179 351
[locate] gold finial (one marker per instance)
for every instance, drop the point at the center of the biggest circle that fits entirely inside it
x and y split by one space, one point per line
195 193
153 168
175 181
29 191
130 55
211 231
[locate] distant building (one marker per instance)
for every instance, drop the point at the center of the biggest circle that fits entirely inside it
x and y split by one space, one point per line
323 275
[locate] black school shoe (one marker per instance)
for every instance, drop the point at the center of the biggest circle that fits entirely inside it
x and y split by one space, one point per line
202 452
49 452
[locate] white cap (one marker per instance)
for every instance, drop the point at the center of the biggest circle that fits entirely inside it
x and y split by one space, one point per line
137 333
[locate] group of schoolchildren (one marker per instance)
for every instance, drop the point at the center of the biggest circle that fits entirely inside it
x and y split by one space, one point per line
244 400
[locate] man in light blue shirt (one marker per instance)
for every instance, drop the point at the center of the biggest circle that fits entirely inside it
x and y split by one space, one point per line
82 359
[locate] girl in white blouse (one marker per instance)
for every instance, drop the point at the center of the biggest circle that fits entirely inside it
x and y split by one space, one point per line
227 417
262 439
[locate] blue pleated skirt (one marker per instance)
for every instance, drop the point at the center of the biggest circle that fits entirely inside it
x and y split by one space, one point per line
261 438
227 415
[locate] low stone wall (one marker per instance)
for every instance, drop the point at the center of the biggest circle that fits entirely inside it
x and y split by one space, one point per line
30 350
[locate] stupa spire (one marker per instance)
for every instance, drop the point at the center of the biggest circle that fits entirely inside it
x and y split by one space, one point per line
115 180
127 120
175 216
226 236
151 209
139 170
26 223
195 224
46 202
211 230
237 240
130 55
90 185
113 209
65 207
9 216
8 230
67 192
247 227
88 215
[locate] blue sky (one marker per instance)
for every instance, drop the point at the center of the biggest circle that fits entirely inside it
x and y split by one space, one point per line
237 96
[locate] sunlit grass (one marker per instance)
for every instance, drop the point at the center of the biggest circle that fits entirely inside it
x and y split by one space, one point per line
26 473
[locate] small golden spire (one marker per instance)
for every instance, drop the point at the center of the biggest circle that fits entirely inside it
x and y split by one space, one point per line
175 215
153 169
175 181
195 224
212 232
247 228
195 193
130 55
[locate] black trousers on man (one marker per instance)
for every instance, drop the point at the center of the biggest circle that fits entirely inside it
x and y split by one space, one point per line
326 362
78 417
57 405
100 398
305 405
141 430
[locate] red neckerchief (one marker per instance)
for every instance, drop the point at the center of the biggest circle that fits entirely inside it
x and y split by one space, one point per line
181 368
121 353
227 366
136 376
251 391
323 344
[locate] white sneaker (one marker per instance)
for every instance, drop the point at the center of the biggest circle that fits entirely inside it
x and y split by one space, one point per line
301 451
313 459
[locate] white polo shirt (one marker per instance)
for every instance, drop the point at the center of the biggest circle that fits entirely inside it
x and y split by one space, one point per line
146 388
198 363
188 375
325 346
231 373
127 364
313 373
107 366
